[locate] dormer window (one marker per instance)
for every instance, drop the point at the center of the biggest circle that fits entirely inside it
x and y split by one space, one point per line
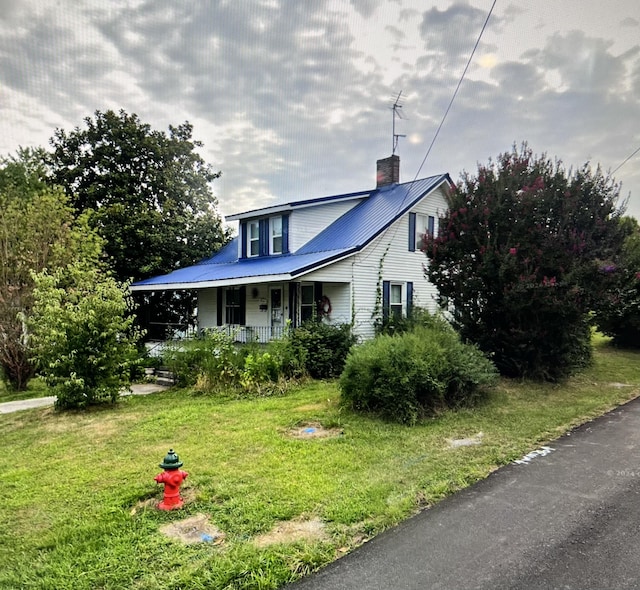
264 237
275 243
253 238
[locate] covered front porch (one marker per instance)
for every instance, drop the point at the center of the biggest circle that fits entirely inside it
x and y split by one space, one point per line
263 311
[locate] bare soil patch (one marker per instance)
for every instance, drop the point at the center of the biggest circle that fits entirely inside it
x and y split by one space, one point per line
291 531
471 441
195 529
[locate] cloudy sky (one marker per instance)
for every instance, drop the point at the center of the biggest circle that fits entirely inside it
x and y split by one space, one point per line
291 98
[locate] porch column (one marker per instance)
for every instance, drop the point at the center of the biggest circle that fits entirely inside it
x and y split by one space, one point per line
293 303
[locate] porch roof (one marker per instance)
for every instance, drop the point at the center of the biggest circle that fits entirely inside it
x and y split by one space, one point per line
348 234
207 273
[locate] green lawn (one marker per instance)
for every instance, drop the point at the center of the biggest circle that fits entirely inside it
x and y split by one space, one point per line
76 510
35 388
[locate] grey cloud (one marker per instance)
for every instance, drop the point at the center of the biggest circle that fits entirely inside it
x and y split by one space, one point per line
630 22
582 61
516 79
396 33
453 31
227 57
365 7
407 14
511 12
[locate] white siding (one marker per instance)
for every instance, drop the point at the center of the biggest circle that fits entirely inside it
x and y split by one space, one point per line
256 316
307 223
352 284
387 258
207 305
207 308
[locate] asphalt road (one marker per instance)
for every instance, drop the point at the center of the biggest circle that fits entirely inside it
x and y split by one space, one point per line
566 518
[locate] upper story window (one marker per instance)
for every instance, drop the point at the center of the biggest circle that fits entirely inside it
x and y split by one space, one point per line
275 242
419 226
253 238
262 237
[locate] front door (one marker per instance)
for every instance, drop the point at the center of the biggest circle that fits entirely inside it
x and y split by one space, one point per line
277 322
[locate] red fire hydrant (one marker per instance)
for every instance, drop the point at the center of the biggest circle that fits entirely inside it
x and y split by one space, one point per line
172 478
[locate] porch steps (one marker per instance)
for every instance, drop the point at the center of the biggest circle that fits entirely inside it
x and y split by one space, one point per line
161 376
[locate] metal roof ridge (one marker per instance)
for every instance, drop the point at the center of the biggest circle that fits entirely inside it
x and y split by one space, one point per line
298 204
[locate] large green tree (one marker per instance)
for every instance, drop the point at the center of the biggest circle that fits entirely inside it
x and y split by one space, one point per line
518 260
151 194
37 231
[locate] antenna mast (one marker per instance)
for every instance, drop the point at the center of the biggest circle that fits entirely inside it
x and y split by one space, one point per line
396 113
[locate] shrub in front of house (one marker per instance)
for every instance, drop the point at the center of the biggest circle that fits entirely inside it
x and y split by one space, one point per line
213 362
404 377
210 360
321 348
419 317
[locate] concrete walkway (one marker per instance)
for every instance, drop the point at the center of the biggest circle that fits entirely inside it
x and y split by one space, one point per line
41 402
566 516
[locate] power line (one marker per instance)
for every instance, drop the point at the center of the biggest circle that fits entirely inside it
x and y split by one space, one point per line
457 88
626 160
484 26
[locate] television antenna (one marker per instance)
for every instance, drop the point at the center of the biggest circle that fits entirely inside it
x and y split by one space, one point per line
396 113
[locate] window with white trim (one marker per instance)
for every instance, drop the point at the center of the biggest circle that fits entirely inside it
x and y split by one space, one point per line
275 232
395 300
306 302
253 238
425 225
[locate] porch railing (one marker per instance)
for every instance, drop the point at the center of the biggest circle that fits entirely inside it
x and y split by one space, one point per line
239 334
245 334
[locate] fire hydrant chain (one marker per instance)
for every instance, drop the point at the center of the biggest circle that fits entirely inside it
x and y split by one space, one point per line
172 478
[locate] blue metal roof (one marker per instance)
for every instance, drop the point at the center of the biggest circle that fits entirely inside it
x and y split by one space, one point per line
348 234
358 226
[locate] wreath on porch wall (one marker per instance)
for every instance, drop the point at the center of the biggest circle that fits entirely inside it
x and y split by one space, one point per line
324 306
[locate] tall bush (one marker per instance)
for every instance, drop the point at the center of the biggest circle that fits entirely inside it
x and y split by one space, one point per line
517 260
212 359
83 335
402 377
322 348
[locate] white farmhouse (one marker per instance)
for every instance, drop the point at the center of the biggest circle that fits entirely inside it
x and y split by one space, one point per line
353 258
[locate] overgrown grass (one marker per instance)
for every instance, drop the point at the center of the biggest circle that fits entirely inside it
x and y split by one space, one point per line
76 514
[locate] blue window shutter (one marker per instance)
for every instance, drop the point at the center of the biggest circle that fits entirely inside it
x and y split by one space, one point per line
264 237
432 226
409 298
219 306
285 234
412 232
386 293
243 305
243 239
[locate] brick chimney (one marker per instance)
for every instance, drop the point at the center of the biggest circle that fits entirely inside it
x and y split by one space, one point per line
388 171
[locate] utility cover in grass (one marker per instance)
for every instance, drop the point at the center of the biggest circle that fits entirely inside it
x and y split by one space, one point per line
313 430
195 529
